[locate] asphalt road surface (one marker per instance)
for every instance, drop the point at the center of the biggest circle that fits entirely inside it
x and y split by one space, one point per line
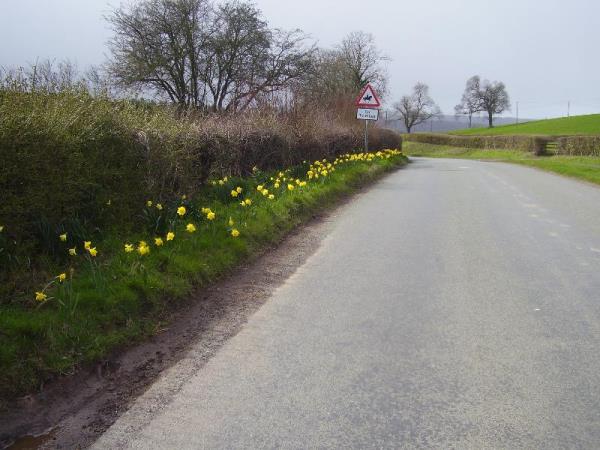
455 304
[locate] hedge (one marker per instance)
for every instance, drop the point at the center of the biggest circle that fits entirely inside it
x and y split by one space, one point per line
524 143
579 145
66 156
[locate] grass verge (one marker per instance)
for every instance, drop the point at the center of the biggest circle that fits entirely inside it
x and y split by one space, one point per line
115 297
582 167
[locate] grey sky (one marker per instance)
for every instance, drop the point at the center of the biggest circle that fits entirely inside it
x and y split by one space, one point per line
544 50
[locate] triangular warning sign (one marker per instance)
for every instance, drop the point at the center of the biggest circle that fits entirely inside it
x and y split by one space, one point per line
368 98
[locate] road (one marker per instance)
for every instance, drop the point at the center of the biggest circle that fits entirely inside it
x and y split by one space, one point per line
455 304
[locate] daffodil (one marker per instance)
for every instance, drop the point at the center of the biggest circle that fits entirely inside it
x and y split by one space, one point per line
239 190
259 187
234 193
87 244
211 215
190 228
1 228
63 237
62 277
290 187
181 211
271 197
159 206
73 251
93 251
158 241
230 223
128 248
109 202
276 185
235 233
149 203
143 248
243 203
248 202
170 236
221 182
40 296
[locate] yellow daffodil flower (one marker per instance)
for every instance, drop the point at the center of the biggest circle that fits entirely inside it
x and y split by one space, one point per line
63 237
159 206
73 251
170 236
234 193
158 241
128 248
290 187
40 296
93 251
87 244
211 215
230 223
181 211
149 203
235 233
190 228
62 277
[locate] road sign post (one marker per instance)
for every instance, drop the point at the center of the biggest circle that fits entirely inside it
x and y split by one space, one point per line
367 104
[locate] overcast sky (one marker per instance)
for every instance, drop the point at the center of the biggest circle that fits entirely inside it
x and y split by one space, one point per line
546 51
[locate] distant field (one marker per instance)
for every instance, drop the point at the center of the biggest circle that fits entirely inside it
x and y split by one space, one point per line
583 167
589 124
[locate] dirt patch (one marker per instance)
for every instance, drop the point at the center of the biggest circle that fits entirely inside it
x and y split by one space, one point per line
73 411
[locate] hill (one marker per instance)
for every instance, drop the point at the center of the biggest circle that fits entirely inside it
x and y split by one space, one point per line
439 124
588 125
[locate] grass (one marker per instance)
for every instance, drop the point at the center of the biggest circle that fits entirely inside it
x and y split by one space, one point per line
586 125
117 298
585 168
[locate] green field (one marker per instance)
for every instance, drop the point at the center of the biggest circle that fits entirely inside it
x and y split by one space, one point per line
588 125
585 168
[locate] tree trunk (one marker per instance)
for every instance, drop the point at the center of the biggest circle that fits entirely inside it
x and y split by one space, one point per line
490 119
470 120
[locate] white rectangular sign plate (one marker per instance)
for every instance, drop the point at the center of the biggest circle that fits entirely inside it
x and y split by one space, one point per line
367 114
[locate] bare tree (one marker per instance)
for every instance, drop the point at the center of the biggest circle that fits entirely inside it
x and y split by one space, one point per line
203 55
364 61
470 102
494 99
417 107
157 45
245 58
